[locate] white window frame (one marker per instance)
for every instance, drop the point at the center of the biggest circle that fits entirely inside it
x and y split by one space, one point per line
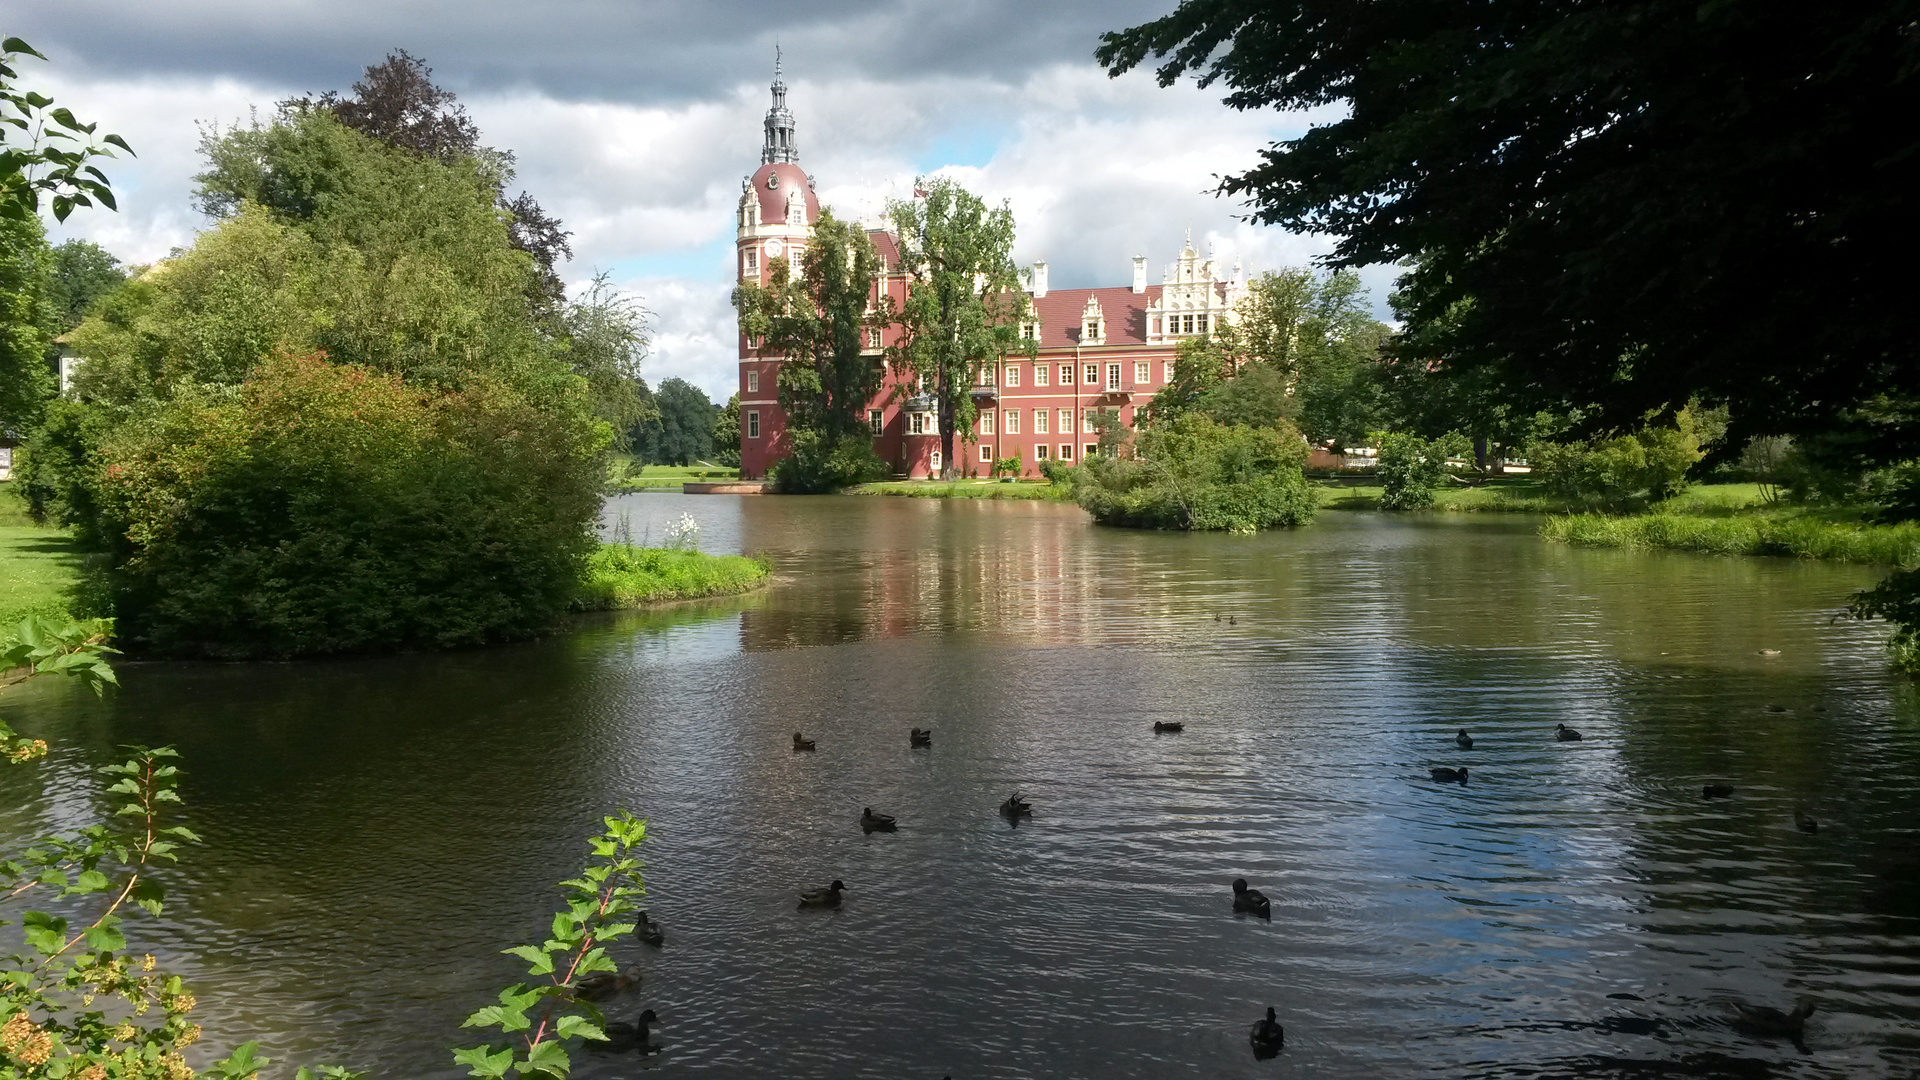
934 462
1039 451
1013 374
1093 374
877 421
916 424
986 452
1113 376
1012 424
753 382
1039 375
986 422
1066 422
753 423
1143 371
1066 374
1089 450
1066 451
1041 417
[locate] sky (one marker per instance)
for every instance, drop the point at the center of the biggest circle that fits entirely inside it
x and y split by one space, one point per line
634 121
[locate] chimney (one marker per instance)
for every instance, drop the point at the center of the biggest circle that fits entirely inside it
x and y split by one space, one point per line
1039 280
1139 273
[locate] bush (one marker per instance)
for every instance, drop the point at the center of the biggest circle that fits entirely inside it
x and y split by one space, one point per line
1411 468
821 464
1193 473
1057 472
320 508
1651 464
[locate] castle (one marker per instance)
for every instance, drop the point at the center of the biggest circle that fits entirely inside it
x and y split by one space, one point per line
1106 349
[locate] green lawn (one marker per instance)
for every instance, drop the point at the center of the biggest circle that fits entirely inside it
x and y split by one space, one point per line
1523 495
625 474
966 489
624 576
38 567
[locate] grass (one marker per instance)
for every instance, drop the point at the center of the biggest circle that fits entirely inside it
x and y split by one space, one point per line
39 567
967 489
1524 495
626 474
1795 533
624 576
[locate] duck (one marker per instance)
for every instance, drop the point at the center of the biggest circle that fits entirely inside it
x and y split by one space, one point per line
1267 1036
1566 734
871 821
1449 776
1805 822
827 897
1767 1022
624 1037
648 929
602 985
1717 791
917 737
800 743
1463 740
1015 806
1252 901
1168 725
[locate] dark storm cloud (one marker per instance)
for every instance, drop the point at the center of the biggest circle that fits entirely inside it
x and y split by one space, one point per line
640 51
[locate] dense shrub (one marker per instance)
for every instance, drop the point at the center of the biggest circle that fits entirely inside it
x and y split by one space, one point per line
1411 468
321 508
1650 464
821 464
1057 472
1193 473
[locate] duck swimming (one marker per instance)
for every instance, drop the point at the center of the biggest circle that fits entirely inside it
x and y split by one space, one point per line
1267 1036
1168 725
800 743
1252 901
1717 791
1463 740
602 985
1805 822
1449 776
1767 1022
624 1038
827 897
917 737
647 929
1566 734
871 821
1015 806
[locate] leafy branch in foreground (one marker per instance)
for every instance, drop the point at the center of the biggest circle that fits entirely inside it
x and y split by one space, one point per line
55 142
538 1020
73 1002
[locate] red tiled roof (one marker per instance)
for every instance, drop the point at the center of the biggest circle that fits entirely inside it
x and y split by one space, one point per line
1125 312
887 246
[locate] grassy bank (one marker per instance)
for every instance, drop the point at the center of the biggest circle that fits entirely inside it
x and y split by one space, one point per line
967 489
1524 495
623 576
625 474
1798 534
38 567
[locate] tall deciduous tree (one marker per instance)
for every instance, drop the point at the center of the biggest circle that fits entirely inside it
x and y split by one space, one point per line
818 320
965 302
1637 203
681 430
83 272
26 382
606 340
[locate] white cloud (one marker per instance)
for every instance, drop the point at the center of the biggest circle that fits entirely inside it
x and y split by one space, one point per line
1097 170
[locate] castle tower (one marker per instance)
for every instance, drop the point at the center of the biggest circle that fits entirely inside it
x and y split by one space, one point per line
776 215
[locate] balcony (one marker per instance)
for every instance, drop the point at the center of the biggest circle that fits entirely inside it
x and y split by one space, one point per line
985 393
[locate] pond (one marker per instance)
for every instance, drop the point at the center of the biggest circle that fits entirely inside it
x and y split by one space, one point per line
377 830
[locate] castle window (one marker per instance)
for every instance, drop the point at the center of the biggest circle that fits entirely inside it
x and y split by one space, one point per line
753 382
753 260
1013 421
1086 422
753 423
1142 371
1093 375
1166 371
1201 322
873 338
986 452
1186 322
1092 448
917 424
876 421
1039 451
1066 421
1039 421
1113 376
1013 374
1066 451
1066 374
1039 375
936 463
986 423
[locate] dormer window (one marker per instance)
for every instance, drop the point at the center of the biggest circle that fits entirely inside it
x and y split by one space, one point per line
1092 322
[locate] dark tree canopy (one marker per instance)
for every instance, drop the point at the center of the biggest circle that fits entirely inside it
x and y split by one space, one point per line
681 431
1615 207
83 271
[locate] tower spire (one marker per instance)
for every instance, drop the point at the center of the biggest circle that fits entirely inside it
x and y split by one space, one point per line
780 146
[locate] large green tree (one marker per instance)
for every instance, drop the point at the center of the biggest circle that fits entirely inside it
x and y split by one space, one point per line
26 267
1616 207
83 272
681 430
965 302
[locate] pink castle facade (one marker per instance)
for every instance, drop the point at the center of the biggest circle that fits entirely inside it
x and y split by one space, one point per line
1104 349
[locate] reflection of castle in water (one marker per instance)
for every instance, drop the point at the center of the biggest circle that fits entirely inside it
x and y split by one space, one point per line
875 568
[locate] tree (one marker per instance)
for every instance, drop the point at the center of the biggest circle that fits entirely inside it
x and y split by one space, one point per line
50 161
606 338
83 272
965 302
681 430
818 321
1191 473
1616 208
26 265
726 433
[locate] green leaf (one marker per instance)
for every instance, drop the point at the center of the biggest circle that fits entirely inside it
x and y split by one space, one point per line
106 937
44 933
484 1061
547 1057
579 1027
541 963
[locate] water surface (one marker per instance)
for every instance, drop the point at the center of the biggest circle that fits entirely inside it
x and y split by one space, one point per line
377 830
